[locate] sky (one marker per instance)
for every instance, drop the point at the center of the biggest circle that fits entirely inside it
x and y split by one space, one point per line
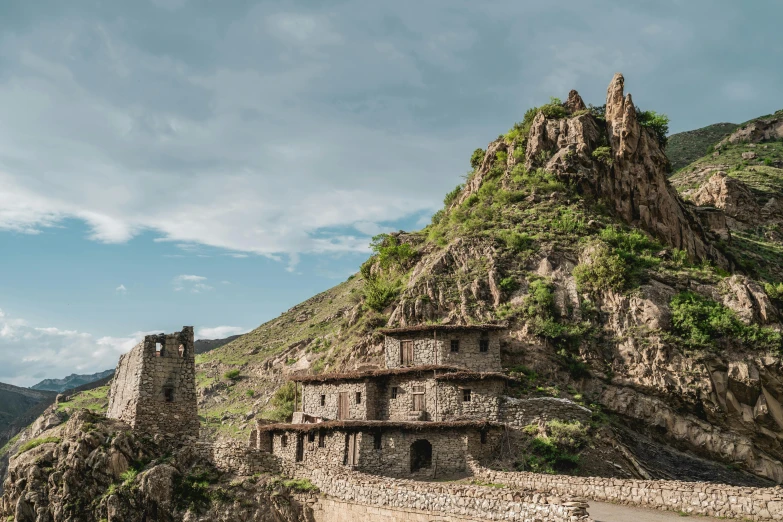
194 162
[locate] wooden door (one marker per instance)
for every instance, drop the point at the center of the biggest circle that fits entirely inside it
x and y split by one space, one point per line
351 457
406 353
300 448
343 408
418 398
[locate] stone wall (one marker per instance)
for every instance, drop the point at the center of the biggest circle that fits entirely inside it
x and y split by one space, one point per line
435 348
421 501
443 400
365 410
521 412
154 388
451 450
235 457
695 498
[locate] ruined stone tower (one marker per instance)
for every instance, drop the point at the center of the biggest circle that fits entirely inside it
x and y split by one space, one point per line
154 387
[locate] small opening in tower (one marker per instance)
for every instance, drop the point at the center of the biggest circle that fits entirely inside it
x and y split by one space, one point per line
168 393
181 350
158 349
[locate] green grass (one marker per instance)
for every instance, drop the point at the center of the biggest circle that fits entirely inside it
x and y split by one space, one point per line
95 400
7 446
27 446
684 148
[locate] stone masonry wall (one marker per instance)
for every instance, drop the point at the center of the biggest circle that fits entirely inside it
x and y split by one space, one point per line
232 456
521 412
408 499
155 391
451 450
695 498
367 409
435 348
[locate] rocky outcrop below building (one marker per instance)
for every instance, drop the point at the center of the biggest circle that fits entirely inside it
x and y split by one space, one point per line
93 469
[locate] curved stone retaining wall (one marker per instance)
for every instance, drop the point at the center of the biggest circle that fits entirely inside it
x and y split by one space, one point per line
462 502
696 498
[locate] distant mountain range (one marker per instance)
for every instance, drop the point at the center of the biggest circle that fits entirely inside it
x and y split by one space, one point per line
72 381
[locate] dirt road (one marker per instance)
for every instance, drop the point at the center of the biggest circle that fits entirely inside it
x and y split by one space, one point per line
601 512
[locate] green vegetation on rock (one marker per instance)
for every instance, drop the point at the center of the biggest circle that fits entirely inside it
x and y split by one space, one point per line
27 446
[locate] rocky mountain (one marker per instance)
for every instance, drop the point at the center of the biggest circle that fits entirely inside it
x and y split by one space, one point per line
686 147
619 292
19 407
72 381
653 301
206 345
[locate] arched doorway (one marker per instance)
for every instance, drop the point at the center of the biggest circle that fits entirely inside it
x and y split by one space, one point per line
421 455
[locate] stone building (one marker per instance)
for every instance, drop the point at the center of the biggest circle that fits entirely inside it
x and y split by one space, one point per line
437 405
423 393
475 347
397 449
154 387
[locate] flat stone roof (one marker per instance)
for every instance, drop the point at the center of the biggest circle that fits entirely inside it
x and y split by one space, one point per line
370 425
453 373
443 328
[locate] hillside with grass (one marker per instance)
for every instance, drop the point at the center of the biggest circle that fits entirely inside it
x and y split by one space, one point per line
686 147
641 301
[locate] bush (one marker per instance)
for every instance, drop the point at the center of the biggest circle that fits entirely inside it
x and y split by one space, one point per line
516 241
603 155
606 270
508 284
390 252
774 290
658 123
282 404
477 158
452 196
556 450
701 322
232 375
300 485
27 446
380 292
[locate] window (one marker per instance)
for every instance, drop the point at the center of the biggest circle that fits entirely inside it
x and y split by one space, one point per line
406 353
483 345
284 441
181 350
418 398
358 397
323 400
454 345
321 439
465 395
376 441
168 393
394 392
311 437
483 437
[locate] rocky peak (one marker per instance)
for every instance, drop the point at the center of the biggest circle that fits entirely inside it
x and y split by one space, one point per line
574 102
761 129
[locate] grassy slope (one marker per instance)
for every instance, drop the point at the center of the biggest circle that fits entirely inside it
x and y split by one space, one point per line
760 248
686 147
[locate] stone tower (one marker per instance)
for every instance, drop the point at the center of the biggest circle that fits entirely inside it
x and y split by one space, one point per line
154 387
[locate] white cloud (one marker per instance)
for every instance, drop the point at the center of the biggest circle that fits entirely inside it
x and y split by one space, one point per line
121 289
51 352
219 332
193 283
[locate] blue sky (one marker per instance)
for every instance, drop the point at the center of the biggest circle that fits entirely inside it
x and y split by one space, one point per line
170 162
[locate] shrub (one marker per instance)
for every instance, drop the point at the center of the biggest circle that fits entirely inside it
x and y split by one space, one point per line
477 158
232 375
452 196
701 322
250 393
380 292
390 252
540 300
658 123
508 284
516 241
774 290
282 404
556 450
606 270
300 485
27 446
603 155
598 111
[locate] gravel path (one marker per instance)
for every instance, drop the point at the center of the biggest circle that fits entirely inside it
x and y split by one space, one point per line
601 512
